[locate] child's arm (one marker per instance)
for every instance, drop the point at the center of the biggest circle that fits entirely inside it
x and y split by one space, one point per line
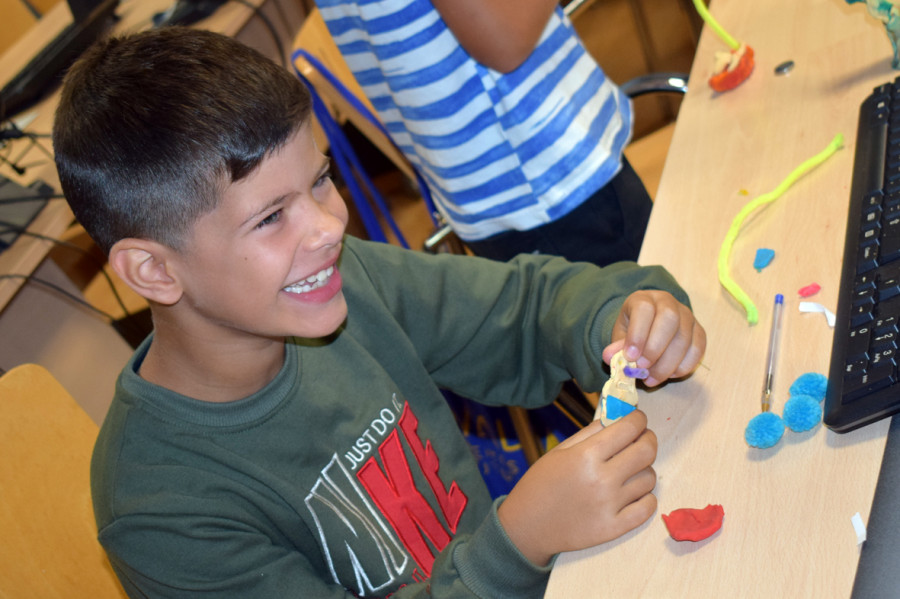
660 334
592 488
597 485
498 34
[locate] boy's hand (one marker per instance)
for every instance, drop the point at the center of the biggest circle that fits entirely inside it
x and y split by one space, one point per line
593 487
660 334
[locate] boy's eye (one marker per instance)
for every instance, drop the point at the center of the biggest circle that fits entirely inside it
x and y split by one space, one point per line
325 178
269 220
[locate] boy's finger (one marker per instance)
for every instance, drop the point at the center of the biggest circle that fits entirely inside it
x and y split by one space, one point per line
638 455
638 485
666 326
668 363
612 438
610 350
681 356
621 435
636 513
641 317
694 353
578 436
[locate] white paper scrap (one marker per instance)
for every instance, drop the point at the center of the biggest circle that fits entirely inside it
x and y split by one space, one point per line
859 527
817 307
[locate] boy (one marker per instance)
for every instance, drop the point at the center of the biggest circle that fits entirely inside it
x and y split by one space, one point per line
281 432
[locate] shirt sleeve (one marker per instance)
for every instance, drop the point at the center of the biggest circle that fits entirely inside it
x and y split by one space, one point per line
484 564
503 333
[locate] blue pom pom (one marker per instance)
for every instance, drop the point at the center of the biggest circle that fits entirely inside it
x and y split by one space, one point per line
802 412
810 383
764 430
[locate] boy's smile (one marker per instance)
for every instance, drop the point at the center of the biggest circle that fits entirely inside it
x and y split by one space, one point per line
319 287
263 263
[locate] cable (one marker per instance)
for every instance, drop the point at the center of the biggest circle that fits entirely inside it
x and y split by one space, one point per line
19 170
24 199
281 13
57 288
12 133
268 23
22 231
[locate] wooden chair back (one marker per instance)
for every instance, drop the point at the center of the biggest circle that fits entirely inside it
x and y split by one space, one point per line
49 545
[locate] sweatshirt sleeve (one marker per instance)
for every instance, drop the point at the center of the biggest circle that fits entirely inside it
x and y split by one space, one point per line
483 564
505 333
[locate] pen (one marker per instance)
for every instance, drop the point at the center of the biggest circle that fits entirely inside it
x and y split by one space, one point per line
773 351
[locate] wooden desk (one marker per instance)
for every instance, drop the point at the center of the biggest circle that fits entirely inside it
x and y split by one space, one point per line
787 529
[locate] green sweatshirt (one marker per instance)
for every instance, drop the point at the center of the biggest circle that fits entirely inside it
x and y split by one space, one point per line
347 475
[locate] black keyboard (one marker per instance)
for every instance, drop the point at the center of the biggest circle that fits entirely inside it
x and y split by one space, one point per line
863 382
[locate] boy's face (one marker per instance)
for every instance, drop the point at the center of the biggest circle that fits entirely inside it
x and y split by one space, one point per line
263 262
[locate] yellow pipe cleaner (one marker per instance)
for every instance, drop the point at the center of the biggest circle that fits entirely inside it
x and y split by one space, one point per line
718 29
725 251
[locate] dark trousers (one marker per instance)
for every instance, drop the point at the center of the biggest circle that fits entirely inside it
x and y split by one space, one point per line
608 227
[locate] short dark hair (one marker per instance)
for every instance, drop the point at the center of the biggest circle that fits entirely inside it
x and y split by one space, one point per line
151 127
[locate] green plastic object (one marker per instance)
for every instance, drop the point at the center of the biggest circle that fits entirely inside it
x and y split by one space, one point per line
889 14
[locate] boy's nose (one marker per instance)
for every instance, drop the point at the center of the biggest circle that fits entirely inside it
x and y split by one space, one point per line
328 226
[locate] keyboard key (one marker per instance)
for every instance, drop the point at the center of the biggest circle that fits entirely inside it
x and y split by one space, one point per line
879 375
885 323
874 200
867 259
876 377
860 315
892 199
865 280
869 231
854 387
888 288
866 295
872 215
858 342
889 307
888 354
892 174
890 240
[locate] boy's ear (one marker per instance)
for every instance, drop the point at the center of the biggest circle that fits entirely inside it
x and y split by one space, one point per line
145 266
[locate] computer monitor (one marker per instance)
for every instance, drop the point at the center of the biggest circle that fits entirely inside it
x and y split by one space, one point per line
81 9
90 19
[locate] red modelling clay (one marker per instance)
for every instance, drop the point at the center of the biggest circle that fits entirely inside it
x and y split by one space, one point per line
733 75
689 524
811 289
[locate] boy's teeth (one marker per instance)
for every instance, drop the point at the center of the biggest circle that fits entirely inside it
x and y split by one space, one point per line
311 282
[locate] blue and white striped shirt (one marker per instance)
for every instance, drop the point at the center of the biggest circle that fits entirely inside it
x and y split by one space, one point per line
499 151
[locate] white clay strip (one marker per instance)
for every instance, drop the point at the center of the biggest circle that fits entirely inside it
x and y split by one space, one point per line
859 528
817 307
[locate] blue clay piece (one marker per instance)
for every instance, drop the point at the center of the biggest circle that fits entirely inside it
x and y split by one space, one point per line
810 383
764 430
616 408
763 258
802 412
